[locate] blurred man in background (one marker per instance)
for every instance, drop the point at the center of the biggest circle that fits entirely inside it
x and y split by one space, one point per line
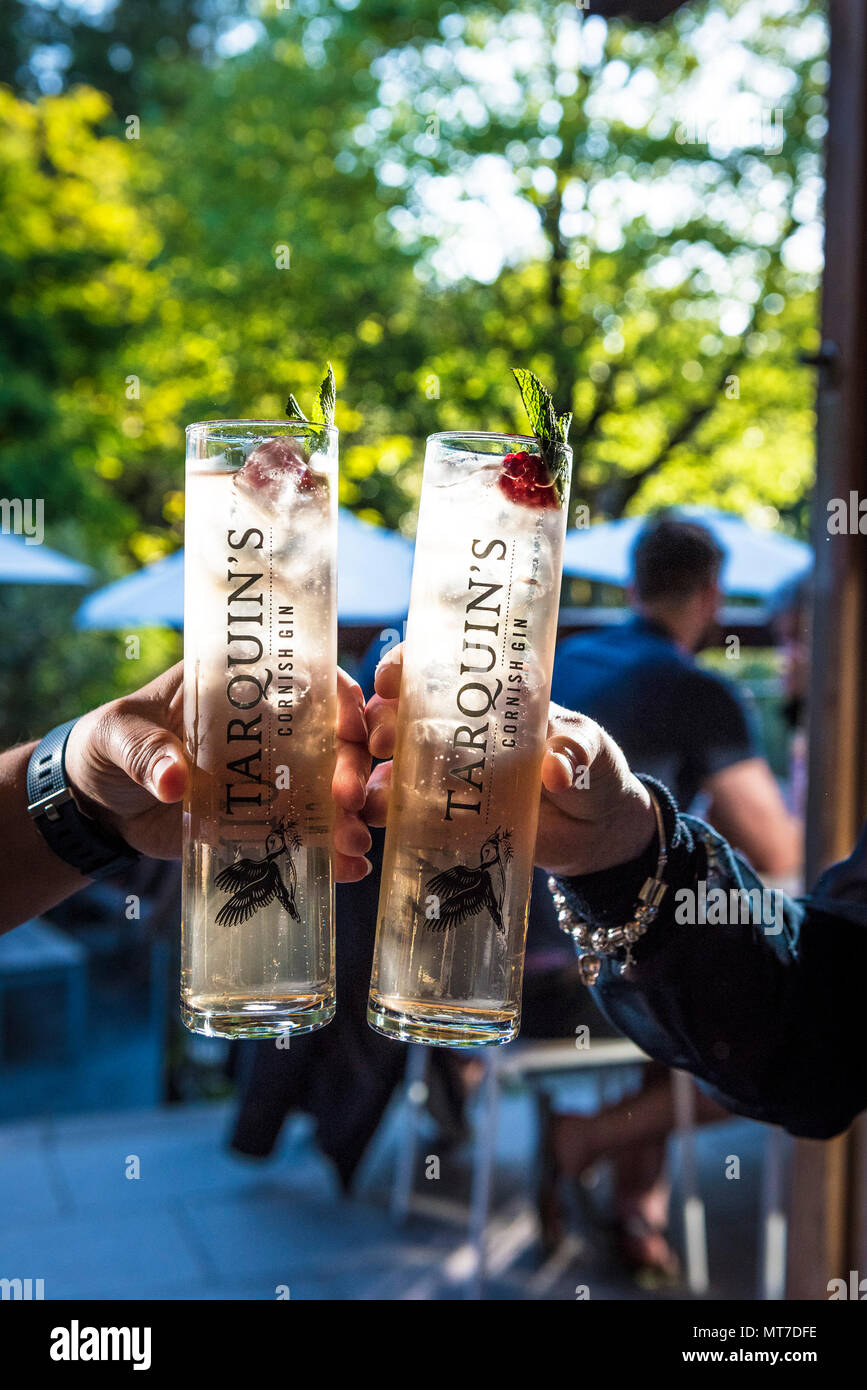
673 719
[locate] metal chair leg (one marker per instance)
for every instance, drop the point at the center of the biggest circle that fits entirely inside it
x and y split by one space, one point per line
694 1229
484 1157
414 1095
774 1227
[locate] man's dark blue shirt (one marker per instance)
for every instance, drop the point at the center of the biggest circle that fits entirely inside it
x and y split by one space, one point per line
673 719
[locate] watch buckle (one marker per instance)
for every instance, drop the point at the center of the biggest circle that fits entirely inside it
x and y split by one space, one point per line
47 805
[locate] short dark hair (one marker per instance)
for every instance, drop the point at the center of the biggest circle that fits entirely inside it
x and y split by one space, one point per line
673 557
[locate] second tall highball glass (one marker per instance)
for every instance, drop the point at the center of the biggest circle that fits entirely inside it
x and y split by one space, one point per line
471 733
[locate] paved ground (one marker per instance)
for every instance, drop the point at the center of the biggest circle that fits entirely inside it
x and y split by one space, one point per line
198 1223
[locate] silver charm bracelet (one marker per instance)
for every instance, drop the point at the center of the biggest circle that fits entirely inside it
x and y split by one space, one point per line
592 943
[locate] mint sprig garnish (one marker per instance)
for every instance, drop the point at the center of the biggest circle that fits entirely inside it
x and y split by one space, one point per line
323 407
550 429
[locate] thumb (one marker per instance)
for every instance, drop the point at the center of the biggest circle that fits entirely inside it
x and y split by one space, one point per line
148 754
573 744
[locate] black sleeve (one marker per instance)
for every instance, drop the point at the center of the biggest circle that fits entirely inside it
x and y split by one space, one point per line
764 1012
726 726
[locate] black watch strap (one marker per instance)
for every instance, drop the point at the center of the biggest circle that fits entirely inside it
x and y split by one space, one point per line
74 837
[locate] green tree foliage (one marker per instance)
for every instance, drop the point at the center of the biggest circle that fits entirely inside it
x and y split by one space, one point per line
124 49
668 302
284 199
280 254
76 278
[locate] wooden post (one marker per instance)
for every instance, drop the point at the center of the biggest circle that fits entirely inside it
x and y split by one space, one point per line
828 1214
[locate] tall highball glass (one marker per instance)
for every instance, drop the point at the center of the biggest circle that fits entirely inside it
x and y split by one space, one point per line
471 732
260 696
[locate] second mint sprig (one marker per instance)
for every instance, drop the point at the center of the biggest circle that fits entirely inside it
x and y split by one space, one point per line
539 480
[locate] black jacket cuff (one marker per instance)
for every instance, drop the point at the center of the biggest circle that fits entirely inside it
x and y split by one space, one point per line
609 898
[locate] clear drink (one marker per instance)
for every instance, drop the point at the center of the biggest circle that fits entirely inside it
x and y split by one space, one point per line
472 722
260 694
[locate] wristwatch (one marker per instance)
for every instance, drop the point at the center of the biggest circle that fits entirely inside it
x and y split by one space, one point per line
76 838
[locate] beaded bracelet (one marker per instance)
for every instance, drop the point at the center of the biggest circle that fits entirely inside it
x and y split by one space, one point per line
592 943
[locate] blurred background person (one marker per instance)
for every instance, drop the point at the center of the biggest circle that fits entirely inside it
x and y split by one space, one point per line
675 720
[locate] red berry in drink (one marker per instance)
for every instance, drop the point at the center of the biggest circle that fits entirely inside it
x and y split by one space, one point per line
525 479
274 463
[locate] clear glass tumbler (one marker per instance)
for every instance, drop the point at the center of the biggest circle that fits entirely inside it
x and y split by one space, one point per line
471 732
260 695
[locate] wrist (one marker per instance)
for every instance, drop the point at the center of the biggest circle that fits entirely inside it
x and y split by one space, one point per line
93 848
76 764
606 895
595 940
633 827
619 837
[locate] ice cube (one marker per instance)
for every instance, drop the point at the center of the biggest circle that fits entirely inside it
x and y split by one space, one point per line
277 471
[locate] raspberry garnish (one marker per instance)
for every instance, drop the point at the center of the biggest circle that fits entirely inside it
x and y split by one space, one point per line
525 479
272 464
